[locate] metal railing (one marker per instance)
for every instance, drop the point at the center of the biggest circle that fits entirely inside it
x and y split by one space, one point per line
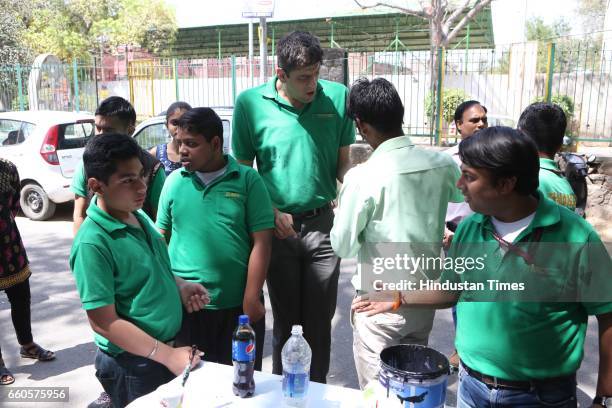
505 79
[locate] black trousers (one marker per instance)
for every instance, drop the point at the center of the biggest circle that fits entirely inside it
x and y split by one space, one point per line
212 331
19 298
303 287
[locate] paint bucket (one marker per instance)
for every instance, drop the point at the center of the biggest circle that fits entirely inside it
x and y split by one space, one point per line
413 376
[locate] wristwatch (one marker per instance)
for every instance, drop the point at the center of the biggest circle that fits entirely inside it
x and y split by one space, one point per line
603 401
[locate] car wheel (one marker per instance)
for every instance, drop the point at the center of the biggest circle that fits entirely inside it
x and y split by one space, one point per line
35 203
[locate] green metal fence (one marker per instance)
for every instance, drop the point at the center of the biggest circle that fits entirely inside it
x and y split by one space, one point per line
505 79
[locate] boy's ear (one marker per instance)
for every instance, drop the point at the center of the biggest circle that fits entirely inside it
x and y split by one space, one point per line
281 74
506 185
95 185
217 143
131 128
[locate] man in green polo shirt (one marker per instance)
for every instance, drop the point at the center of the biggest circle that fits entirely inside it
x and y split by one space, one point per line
218 217
399 196
297 128
545 124
123 276
522 350
116 115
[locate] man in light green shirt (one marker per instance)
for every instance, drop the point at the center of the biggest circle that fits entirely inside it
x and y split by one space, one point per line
545 124
399 196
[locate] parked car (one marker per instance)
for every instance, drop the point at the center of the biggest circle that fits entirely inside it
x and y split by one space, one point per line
152 132
45 146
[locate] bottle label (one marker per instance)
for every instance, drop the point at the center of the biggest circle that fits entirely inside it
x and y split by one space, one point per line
243 350
295 385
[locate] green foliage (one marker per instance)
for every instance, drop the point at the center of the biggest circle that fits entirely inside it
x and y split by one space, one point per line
571 53
592 14
13 50
566 103
451 98
80 28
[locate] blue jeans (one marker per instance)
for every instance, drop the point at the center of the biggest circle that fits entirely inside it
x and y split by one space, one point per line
127 376
475 394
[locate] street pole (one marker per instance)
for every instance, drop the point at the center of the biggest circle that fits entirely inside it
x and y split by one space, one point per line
251 53
263 50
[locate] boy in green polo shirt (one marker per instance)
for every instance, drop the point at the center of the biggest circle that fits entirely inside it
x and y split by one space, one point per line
524 349
116 115
218 217
545 124
133 302
297 128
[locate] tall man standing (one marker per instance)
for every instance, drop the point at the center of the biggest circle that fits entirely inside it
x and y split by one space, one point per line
296 127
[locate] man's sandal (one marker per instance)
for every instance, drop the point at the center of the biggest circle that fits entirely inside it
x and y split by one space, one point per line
6 377
36 352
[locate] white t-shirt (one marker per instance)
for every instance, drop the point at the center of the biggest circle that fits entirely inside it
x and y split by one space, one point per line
456 212
209 177
508 231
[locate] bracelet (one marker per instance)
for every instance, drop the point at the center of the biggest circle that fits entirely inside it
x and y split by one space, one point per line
155 347
398 301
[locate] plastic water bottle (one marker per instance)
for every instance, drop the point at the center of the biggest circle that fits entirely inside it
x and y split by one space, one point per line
296 357
243 356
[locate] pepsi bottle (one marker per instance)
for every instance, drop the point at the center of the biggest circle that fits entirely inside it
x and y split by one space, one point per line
243 356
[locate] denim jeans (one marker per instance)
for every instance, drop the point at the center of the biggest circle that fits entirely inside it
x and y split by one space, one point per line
126 377
473 393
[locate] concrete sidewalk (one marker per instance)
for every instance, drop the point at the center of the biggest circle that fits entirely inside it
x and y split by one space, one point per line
61 325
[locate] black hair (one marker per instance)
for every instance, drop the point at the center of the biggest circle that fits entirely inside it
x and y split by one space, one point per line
298 49
463 106
102 154
116 106
202 121
545 123
377 103
504 152
176 106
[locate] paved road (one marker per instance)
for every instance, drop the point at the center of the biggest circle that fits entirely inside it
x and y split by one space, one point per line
61 325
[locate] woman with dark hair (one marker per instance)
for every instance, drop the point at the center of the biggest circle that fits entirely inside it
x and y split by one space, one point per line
168 153
15 271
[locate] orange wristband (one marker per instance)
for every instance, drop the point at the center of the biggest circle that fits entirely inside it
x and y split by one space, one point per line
398 301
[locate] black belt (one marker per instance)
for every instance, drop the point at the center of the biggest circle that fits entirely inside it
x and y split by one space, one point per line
499 383
312 213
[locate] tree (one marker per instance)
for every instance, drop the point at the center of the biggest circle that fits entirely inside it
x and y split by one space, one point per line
12 49
591 14
446 20
572 53
80 28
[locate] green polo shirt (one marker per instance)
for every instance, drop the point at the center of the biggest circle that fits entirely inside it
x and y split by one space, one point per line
382 201
296 149
211 226
518 340
555 186
79 185
116 263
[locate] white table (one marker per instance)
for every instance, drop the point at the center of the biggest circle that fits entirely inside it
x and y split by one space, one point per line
210 386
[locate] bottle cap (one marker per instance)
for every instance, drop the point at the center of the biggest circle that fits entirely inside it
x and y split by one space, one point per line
296 329
243 319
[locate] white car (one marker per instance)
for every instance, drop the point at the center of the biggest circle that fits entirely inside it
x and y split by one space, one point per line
152 132
45 146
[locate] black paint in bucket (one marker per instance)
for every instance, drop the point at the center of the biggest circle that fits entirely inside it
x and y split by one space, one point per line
415 373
